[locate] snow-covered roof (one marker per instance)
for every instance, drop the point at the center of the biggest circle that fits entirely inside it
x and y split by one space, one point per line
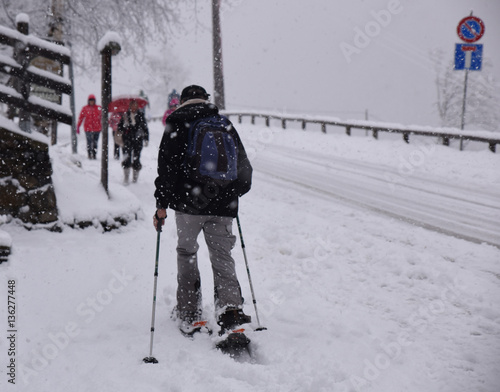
109 37
49 105
35 41
8 61
37 101
10 91
11 126
48 75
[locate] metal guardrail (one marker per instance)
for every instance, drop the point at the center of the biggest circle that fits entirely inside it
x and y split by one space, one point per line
375 129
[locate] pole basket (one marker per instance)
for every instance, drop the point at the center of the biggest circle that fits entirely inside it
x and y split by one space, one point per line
150 360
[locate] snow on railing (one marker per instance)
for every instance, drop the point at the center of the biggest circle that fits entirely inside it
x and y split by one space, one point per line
492 138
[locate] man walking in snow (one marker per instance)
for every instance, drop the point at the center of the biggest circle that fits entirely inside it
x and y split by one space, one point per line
91 113
202 206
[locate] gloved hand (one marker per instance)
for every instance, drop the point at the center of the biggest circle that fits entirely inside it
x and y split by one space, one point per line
159 218
146 143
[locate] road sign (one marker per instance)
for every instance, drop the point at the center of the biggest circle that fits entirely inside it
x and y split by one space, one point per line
470 29
54 67
468 56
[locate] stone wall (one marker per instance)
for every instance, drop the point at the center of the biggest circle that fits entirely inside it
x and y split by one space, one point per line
26 190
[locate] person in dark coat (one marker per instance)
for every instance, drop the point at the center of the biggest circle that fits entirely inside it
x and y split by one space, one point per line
200 207
135 131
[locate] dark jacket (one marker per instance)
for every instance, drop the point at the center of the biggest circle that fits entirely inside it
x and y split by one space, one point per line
134 132
175 189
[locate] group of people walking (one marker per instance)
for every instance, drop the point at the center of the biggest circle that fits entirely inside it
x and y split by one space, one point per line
130 133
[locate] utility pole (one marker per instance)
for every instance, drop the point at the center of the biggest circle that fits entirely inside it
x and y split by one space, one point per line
219 98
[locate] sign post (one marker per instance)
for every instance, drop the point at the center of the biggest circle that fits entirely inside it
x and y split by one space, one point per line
468 56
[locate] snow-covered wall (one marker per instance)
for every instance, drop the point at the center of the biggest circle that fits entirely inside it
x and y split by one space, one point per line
26 190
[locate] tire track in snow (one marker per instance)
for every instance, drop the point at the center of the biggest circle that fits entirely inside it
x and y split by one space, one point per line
451 209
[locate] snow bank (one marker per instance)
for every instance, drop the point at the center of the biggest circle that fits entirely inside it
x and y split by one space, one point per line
81 196
353 300
13 127
5 239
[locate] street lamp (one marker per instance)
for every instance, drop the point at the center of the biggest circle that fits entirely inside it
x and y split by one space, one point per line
108 46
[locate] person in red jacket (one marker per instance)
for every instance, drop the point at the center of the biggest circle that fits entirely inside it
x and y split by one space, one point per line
91 113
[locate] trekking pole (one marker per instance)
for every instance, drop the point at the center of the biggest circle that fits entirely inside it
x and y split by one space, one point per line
152 359
260 328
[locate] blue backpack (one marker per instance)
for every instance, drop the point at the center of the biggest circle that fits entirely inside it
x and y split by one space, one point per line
212 152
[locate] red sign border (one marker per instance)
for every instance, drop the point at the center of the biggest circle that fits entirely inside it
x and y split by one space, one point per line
464 20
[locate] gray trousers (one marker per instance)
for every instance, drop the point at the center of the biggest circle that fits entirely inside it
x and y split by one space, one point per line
220 240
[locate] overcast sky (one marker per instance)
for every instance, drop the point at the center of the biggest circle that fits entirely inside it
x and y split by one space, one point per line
329 57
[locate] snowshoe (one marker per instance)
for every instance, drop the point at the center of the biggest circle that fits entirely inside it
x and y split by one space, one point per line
236 344
232 319
188 329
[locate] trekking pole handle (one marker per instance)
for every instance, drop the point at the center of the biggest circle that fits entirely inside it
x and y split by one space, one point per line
159 221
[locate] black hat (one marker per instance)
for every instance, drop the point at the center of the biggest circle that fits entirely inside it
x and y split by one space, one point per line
193 91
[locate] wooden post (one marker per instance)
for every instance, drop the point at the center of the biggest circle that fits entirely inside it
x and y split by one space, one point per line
406 137
348 130
283 123
304 125
74 140
110 49
267 121
323 127
56 33
375 133
21 85
105 99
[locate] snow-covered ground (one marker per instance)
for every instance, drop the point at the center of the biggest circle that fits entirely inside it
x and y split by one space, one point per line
355 296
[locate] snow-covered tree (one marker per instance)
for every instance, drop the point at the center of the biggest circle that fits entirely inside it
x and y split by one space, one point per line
161 76
483 103
84 23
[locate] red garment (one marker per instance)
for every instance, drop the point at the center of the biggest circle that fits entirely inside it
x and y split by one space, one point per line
92 116
166 114
172 105
114 120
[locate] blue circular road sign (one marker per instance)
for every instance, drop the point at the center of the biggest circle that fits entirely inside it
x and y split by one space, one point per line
470 29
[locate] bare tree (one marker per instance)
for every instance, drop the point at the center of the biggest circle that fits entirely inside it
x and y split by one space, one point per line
482 104
161 75
86 21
